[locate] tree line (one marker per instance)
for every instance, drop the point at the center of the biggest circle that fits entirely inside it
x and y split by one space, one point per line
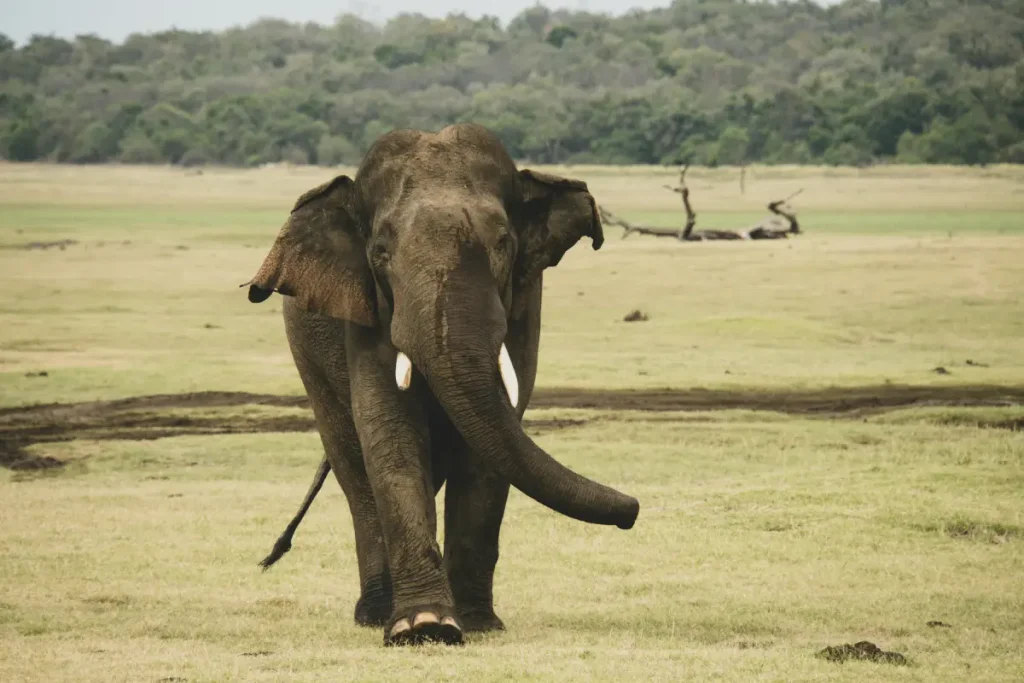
703 81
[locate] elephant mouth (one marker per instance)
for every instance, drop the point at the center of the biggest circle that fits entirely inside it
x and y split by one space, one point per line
403 374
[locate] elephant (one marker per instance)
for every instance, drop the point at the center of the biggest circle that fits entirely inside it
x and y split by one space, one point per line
412 308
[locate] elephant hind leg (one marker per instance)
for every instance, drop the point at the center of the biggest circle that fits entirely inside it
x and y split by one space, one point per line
331 403
374 605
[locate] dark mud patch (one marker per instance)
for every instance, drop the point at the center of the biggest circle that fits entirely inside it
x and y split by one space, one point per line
203 399
42 246
863 651
535 427
160 416
830 400
136 419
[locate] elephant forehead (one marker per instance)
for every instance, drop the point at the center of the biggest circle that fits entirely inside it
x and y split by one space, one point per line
445 164
465 215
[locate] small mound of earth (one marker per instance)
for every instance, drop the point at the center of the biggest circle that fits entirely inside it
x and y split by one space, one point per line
636 316
862 651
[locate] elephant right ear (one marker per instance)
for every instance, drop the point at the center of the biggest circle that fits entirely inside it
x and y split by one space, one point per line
319 257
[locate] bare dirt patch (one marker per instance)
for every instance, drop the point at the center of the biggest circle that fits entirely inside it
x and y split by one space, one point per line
152 417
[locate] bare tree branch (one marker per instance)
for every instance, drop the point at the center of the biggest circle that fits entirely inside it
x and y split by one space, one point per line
763 232
608 218
760 231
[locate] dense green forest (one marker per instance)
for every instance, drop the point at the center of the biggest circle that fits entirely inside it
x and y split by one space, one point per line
705 81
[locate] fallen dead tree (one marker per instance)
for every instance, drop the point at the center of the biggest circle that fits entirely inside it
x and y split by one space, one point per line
767 229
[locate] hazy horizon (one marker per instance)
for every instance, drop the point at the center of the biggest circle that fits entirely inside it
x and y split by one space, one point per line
117 19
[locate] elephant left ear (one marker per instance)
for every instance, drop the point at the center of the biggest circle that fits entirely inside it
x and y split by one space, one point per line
556 213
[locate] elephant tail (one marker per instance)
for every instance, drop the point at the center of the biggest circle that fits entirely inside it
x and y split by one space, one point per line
284 542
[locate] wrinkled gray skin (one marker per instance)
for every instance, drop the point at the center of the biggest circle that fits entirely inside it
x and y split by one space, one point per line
436 249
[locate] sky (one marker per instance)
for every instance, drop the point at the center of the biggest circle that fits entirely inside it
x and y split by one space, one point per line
116 19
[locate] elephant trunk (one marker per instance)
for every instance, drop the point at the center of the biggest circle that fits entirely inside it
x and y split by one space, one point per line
472 395
460 353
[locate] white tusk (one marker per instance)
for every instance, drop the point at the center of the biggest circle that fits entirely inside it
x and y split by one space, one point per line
403 371
508 376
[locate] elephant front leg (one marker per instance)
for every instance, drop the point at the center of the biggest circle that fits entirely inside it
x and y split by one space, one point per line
475 496
395 444
475 500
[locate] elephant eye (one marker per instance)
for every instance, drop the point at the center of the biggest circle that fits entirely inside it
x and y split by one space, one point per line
504 243
380 254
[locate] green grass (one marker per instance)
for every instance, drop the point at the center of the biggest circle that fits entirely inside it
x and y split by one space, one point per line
762 538
164 227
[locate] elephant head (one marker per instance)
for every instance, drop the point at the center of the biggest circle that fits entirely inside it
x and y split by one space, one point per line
437 244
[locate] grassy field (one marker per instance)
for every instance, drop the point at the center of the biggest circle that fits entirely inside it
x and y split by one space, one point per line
764 535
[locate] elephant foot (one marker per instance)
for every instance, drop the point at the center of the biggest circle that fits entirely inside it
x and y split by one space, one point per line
374 605
425 624
480 621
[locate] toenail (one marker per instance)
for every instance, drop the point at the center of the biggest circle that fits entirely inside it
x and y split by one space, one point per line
401 626
425 618
448 621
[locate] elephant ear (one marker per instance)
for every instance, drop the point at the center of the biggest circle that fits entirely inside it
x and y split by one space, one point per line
319 257
556 213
